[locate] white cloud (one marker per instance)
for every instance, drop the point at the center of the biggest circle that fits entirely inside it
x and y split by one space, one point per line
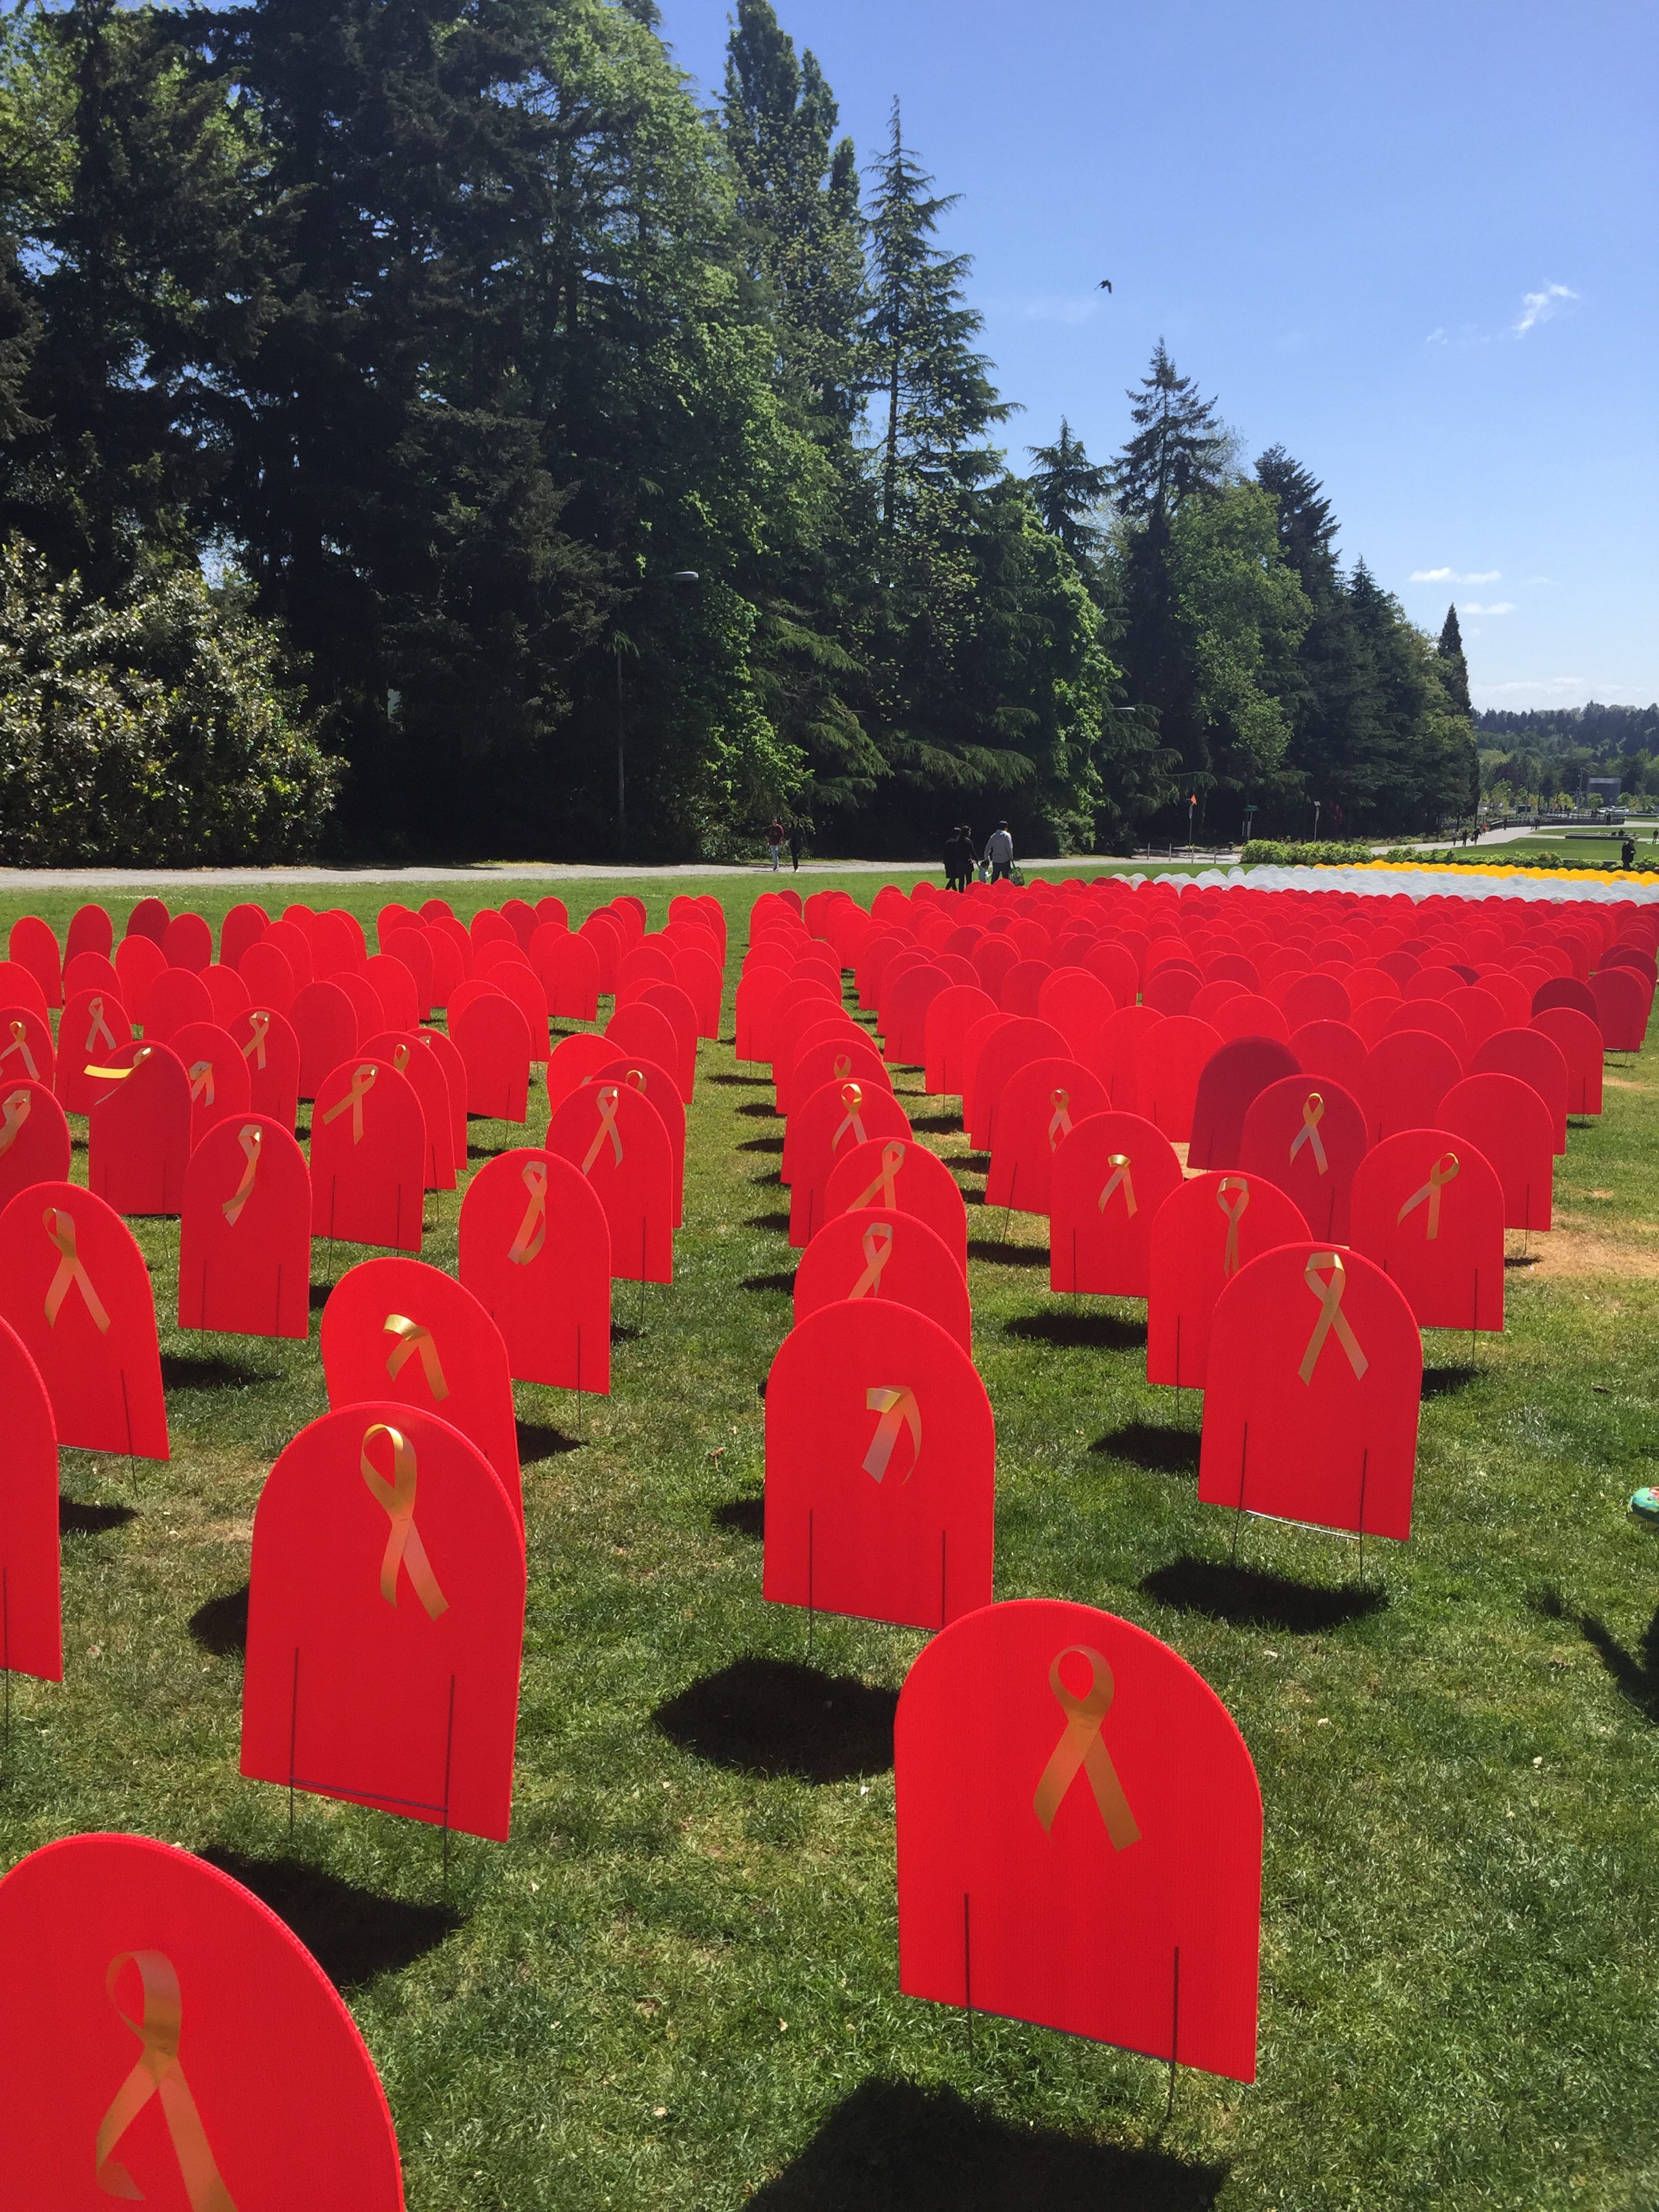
1454 575
1541 307
1495 607
1058 308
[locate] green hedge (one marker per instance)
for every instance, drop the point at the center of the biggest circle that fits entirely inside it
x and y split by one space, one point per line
1504 856
1265 853
157 732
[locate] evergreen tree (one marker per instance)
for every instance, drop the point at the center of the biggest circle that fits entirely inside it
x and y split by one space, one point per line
1454 668
1179 451
1067 487
1307 522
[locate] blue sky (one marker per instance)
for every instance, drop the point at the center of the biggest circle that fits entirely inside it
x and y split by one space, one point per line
1414 243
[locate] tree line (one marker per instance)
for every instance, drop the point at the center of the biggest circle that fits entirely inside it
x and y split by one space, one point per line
583 470
1545 755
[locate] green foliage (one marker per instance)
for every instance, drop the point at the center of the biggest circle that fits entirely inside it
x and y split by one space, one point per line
156 733
1067 488
1310 853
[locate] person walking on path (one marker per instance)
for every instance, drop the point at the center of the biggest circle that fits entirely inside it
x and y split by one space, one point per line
799 830
958 859
774 842
999 852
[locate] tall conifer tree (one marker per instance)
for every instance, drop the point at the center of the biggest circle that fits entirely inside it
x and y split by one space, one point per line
1067 487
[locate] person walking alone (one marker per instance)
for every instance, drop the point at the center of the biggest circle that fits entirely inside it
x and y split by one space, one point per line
799 829
774 842
958 858
999 852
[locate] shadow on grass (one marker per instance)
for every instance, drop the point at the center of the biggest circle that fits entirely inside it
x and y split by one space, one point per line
997 1254
781 1281
488 1151
771 1181
219 1627
625 1331
761 1145
1445 1382
895 2147
756 1109
973 1162
76 1517
777 1221
936 1125
1150 1444
353 1934
1634 1674
744 1517
1101 1332
186 1371
540 1440
774 1717
1522 1259
743 1082
1251 1597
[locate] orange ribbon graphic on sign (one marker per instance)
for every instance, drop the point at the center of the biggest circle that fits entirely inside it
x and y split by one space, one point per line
253 1137
1122 1180
71 1271
255 1047
1082 1747
1234 1214
898 1410
1061 1124
17 1112
157 2073
531 1232
201 1081
404 1547
881 1191
399 1059
19 1044
362 1082
1442 1173
1331 1315
852 1097
413 1337
843 1066
1313 1113
609 1096
877 1249
101 1028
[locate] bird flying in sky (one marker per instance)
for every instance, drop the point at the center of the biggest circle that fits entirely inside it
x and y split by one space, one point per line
1105 284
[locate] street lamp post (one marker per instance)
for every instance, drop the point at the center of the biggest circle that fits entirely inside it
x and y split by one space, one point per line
1317 803
682 580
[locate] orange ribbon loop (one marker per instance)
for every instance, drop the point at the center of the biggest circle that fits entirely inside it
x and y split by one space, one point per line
362 1082
1234 1214
532 1230
610 1098
1121 1180
413 1337
399 1059
17 1112
898 1409
1313 1113
634 1078
881 1191
101 1028
1083 1748
843 1066
255 1047
396 1498
1442 1173
1061 1125
253 1137
877 1249
157 2073
19 1044
1331 1315
201 1081
852 1097
71 1272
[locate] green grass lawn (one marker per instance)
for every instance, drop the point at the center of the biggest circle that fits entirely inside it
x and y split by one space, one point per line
676 1987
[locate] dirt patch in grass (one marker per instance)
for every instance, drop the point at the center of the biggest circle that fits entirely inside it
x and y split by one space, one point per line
1574 1251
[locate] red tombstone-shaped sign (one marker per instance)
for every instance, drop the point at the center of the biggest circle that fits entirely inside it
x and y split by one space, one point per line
872 1253
272 1053
1401 1081
397 1328
1229 1084
895 1171
74 1285
1202 1236
31 1614
25 1047
1308 1137
836 1119
220 1086
1429 1210
1506 1120
386 1620
493 1038
1040 1105
245 1232
326 1023
1535 1059
1111 1176
94 1027
1079 1836
419 1068
880 1468
138 1138
615 1136
1575 1035
34 1138
368 1157
165 2036
1170 1061
534 1251
1312 1394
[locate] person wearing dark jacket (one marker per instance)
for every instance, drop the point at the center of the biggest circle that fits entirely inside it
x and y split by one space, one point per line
958 860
